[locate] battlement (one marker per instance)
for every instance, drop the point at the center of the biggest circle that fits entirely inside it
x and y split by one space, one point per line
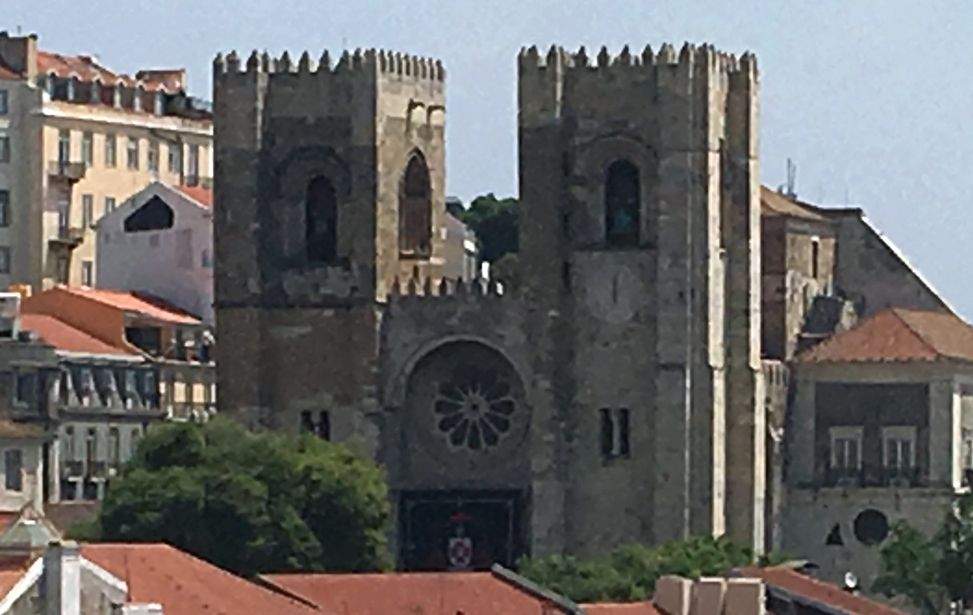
366 62
532 60
430 289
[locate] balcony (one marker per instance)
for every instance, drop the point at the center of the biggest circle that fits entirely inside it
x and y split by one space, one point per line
873 476
66 171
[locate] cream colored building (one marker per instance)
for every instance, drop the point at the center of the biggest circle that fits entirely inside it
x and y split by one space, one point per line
77 139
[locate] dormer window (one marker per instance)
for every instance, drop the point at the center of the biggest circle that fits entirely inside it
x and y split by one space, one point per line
160 102
137 98
72 89
95 93
117 96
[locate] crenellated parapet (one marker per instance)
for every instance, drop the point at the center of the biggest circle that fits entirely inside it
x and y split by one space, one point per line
690 56
442 288
370 62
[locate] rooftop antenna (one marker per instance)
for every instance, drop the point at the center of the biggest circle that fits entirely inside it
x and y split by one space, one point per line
18 30
791 179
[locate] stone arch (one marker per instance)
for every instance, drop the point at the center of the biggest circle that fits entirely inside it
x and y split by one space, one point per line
466 398
415 207
320 220
285 219
623 204
595 160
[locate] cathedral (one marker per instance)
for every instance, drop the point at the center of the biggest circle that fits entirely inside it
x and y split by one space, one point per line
632 388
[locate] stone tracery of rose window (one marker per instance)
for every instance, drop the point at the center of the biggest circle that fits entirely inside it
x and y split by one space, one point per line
474 409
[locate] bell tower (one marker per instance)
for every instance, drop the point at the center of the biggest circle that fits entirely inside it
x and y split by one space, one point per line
639 234
329 184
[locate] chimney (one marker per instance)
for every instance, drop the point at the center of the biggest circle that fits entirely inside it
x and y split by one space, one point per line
672 595
744 597
19 53
62 579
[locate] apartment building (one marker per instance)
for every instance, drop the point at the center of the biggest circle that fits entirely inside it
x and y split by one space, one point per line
76 139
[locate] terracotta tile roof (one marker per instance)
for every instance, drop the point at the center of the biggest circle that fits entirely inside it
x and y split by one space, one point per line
201 195
132 301
64 337
8 73
630 608
186 585
807 587
5 518
9 577
898 335
773 203
86 68
429 593
171 79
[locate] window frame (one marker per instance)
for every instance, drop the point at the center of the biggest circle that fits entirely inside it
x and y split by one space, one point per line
4 102
133 153
110 204
87 211
5 153
4 208
88 149
111 150
5 258
153 156
899 434
18 479
88 273
845 433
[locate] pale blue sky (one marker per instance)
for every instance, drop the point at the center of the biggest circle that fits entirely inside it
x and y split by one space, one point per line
871 98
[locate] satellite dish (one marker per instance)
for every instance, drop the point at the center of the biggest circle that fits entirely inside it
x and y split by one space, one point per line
851 581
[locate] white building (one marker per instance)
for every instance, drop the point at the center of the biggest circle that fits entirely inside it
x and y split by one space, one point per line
160 241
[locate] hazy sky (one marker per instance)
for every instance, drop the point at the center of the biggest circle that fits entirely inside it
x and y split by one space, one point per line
872 99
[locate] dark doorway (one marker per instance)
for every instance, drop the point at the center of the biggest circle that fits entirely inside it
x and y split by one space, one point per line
460 530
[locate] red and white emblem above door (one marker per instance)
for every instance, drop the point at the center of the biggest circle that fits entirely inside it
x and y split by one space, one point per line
460 553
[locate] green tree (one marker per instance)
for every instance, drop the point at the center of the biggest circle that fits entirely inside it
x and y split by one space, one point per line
631 572
249 502
495 223
931 573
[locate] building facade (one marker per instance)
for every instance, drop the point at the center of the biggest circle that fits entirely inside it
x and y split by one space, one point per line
75 140
627 373
160 241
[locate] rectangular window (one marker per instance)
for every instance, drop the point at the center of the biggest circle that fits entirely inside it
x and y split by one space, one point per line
87 210
133 153
13 463
111 150
900 446
4 148
4 102
846 445
206 260
67 444
815 256
324 425
4 208
193 171
4 259
614 432
114 446
23 388
64 146
153 156
109 204
175 158
968 449
87 273
88 149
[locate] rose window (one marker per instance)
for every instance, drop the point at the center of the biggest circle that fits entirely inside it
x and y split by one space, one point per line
474 409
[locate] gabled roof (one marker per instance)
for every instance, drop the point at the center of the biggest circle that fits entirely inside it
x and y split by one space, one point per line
803 588
898 335
133 301
186 585
86 68
199 194
439 593
66 338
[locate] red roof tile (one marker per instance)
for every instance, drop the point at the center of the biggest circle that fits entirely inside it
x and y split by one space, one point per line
201 195
64 337
86 68
132 301
898 335
429 593
802 585
8 73
9 577
630 608
186 585
773 203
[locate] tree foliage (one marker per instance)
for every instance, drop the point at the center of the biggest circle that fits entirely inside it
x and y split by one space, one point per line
249 502
631 572
495 223
931 573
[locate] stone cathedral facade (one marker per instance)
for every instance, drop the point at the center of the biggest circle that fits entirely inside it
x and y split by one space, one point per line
616 396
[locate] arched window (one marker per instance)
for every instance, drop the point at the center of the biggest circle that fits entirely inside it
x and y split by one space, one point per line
320 221
622 204
415 209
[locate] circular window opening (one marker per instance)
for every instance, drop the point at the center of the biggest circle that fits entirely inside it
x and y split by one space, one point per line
871 527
